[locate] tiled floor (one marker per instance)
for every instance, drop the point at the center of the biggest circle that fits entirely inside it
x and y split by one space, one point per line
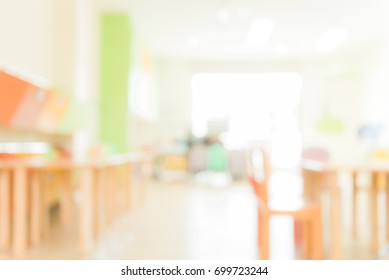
188 221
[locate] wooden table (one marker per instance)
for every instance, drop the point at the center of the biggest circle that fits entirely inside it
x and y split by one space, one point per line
99 184
328 174
21 233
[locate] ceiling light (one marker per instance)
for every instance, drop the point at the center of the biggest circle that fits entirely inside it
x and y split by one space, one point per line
223 15
282 49
259 32
331 39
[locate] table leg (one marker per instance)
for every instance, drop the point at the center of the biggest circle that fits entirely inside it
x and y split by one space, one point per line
99 208
108 194
98 203
35 233
86 209
44 209
142 182
5 213
19 233
128 186
387 206
112 194
335 235
374 213
117 190
66 197
121 189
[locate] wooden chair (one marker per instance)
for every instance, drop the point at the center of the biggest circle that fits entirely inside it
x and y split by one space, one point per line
308 214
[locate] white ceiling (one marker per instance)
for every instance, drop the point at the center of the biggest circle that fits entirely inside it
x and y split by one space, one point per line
174 27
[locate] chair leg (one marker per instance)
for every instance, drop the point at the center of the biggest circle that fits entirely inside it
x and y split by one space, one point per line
298 234
260 234
264 237
307 238
317 248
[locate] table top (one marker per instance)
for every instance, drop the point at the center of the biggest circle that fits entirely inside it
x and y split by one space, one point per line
360 166
39 163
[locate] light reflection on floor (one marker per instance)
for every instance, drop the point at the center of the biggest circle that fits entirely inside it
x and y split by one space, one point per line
189 222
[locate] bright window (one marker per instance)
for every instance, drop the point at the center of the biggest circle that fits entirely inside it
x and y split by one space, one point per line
256 106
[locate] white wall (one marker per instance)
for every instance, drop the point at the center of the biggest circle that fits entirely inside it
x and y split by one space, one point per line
332 89
25 34
173 85
41 37
375 84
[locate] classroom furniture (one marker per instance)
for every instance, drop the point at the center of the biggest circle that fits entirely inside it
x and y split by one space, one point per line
5 207
306 212
326 178
316 179
28 188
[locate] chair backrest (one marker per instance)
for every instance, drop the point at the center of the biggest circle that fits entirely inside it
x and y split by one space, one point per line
259 172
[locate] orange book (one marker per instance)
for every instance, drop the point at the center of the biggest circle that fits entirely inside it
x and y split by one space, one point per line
12 92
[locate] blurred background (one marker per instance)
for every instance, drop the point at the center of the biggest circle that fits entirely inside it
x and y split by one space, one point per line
194 85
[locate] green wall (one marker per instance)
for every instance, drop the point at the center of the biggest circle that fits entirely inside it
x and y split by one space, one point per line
115 67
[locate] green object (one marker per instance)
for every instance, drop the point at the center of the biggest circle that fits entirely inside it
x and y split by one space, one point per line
217 158
330 125
115 68
342 72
